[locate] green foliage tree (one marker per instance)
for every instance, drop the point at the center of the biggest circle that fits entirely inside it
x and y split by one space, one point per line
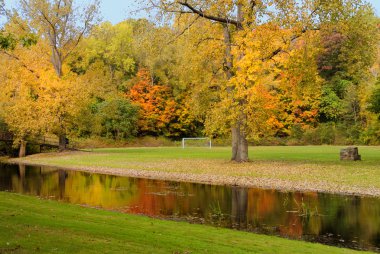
348 52
110 45
331 107
375 102
7 41
118 119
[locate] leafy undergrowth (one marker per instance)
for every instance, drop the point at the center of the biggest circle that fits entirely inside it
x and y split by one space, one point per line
32 225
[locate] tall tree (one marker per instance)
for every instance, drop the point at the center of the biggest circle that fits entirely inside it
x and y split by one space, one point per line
64 26
35 101
249 52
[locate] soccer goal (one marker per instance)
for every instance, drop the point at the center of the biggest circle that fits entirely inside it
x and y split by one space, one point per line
196 142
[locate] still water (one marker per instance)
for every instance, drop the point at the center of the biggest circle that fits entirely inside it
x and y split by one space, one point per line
349 221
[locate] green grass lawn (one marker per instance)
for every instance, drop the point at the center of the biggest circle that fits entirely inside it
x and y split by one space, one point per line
32 225
288 167
317 154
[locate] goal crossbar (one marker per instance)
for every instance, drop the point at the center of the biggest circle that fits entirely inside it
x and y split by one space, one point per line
184 139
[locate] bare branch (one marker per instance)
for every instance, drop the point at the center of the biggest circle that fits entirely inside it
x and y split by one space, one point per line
210 17
183 31
87 26
292 39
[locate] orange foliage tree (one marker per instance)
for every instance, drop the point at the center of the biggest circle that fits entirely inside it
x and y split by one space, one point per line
155 101
161 113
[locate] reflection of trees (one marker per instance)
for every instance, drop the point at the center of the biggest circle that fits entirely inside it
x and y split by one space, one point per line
357 217
61 183
254 209
107 191
192 201
34 180
21 170
5 176
239 207
276 212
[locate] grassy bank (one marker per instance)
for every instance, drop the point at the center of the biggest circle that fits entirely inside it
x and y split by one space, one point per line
292 168
31 225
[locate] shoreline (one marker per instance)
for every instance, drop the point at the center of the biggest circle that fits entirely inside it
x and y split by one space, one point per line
69 226
213 179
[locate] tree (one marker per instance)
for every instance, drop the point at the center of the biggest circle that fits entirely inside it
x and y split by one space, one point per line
249 50
348 51
155 103
101 109
118 118
297 88
375 102
112 46
64 26
19 100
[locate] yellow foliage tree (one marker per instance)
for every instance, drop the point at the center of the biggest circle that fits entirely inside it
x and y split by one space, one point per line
36 101
258 36
63 26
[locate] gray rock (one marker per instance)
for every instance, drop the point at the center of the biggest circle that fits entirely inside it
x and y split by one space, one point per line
350 154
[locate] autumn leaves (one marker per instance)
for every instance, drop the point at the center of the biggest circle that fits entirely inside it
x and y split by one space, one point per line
247 69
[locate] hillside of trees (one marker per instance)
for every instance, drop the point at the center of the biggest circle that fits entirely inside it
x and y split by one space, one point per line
285 73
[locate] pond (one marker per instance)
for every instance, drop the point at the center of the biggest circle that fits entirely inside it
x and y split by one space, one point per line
347 221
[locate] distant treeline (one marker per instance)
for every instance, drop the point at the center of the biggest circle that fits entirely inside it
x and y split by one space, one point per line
287 85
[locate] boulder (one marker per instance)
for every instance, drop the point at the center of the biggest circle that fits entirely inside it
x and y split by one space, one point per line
350 154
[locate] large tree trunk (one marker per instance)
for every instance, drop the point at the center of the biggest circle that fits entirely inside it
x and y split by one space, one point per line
22 152
238 133
62 142
235 142
243 149
239 143
56 60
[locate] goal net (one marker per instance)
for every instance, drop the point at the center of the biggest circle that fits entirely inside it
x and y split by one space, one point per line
196 142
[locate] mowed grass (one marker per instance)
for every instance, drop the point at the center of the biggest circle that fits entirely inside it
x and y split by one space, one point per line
32 225
316 154
289 167
370 154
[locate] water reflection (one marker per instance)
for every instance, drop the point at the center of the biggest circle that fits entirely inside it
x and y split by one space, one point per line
332 219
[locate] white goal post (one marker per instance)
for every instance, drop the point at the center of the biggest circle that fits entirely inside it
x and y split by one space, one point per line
209 144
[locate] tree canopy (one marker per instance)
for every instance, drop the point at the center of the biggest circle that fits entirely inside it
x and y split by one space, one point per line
270 71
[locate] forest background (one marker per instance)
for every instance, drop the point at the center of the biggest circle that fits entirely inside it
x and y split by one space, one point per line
64 72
